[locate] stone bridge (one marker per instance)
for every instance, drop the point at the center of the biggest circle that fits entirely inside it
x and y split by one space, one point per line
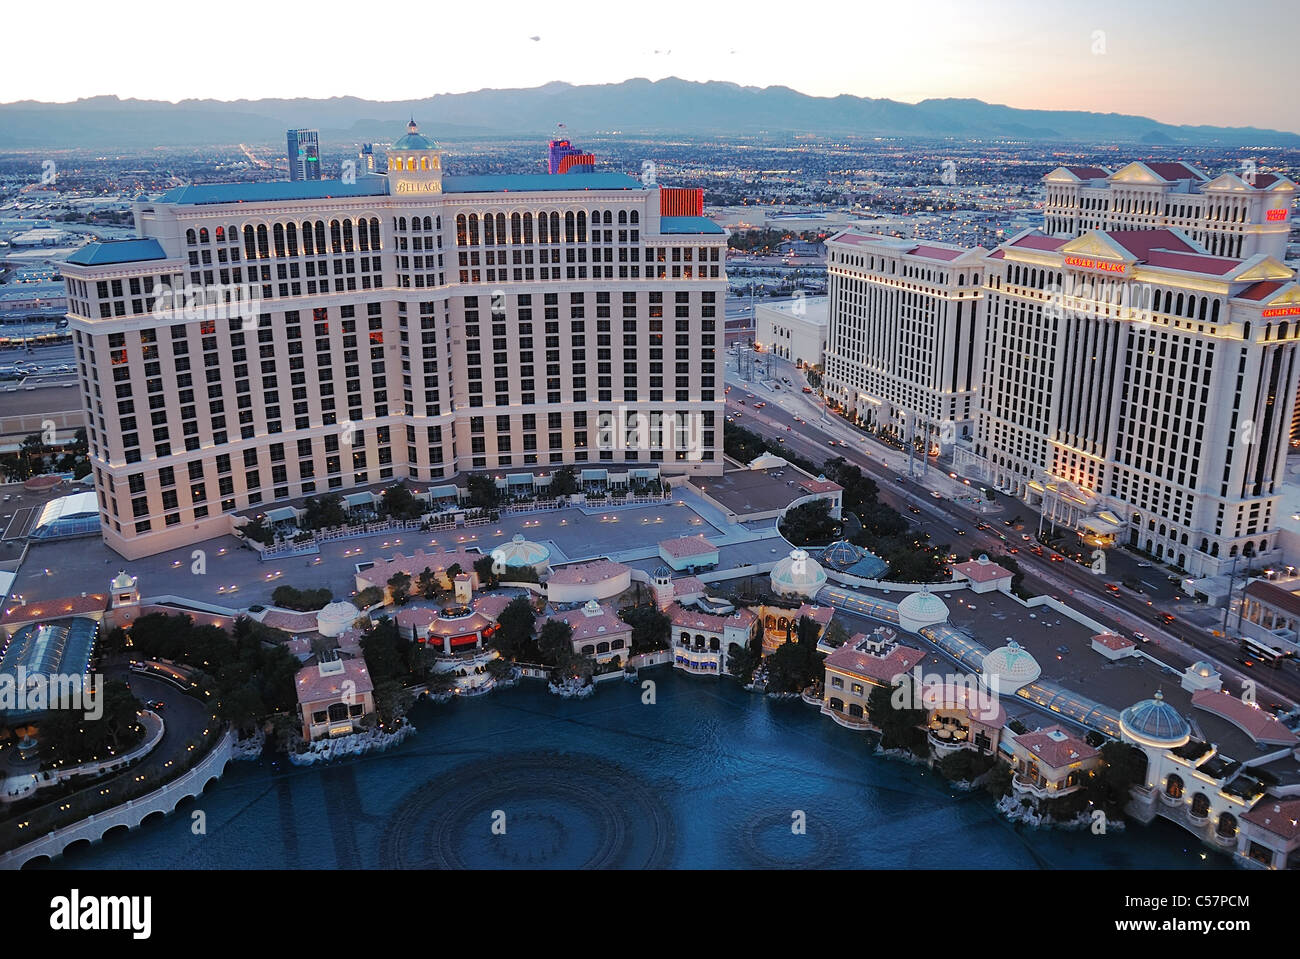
130 814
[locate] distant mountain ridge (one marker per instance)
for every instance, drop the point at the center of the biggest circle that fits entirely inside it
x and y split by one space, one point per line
637 106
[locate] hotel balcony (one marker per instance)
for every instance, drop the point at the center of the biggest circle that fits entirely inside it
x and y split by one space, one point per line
1039 787
845 720
1169 800
1227 842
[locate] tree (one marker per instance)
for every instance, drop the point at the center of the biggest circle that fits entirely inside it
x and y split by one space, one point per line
427 585
304 600
370 596
555 642
651 628
482 491
321 512
836 635
513 637
399 586
399 502
900 725
809 524
563 482
485 568
388 653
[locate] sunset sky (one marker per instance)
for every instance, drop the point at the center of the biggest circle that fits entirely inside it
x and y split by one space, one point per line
1198 62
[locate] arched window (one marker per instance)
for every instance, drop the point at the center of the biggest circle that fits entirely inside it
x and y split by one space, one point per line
473 229
336 237
401 224
307 246
347 236
461 236
568 227
622 217
582 226
608 219
191 237
278 233
263 241
363 238
634 216
501 229
203 235
516 228
291 238
374 234
528 228
543 229
320 236
555 227
489 230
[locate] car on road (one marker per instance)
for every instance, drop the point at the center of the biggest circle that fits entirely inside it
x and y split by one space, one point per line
749 396
831 442
1141 637
982 526
1057 558
914 509
155 704
807 389
759 405
1166 618
1144 565
1113 587
1013 549
959 531
936 494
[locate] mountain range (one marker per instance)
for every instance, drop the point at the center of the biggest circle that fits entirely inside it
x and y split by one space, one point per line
638 106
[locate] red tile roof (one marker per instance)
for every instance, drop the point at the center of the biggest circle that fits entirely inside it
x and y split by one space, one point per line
1281 817
687 546
1037 241
880 669
820 486
1261 726
604 624
55 608
1112 641
578 574
1174 171
1088 172
686 618
1192 262
312 687
1275 596
978 572
1056 751
1260 291
1140 243
937 252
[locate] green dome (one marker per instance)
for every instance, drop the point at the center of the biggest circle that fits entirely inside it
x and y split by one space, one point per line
413 140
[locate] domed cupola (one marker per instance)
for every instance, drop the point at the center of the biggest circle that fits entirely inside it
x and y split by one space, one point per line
414 163
1153 722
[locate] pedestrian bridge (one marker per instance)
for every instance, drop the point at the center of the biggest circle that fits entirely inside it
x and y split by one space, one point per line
130 814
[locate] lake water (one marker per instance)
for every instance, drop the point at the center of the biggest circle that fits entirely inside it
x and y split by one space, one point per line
709 776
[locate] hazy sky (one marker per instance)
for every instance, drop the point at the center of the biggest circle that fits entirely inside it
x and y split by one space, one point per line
1196 61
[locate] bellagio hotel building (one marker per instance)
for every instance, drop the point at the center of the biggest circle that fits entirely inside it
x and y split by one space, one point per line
259 343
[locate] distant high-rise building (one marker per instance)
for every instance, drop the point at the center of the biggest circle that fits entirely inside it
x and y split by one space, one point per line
304 155
366 159
564 156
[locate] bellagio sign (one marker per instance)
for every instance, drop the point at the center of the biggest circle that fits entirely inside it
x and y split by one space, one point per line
417 186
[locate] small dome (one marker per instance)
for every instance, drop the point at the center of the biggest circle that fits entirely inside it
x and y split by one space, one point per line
123 581
798 574
414 140
841 555
520 552
922 608
662 572
1203 669
1010 667
335 618
1155 722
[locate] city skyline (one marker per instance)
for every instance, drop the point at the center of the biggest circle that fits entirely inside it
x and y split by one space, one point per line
1115 60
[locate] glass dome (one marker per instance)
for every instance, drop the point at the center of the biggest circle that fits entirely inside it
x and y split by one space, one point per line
923 607
842 554
1010 667
520 552
1155 722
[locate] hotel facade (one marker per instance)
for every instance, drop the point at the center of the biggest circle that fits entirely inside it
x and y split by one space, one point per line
902 334
263 342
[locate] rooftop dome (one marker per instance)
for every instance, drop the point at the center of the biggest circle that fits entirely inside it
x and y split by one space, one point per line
123 580
662 572
798 573
1154 722
414 140
921 608
520 552
1010 667
1203 669
842 554
335 618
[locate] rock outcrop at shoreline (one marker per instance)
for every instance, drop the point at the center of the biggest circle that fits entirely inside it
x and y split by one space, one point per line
358 744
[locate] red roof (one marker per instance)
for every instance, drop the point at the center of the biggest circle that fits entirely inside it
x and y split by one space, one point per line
55 608
1261 726
1281 817
1264 180
1056 747
603 624
313 687
937 252
1174 171
997 255
978 572
881 669
820 486
1113 641
1140 243
1038 241
1192 262
687 546
1259 291
1088 172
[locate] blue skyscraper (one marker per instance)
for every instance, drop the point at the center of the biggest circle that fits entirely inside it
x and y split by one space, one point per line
304 155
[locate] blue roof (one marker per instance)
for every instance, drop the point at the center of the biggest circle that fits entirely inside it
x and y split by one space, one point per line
118 251
261 192
528 182
688 224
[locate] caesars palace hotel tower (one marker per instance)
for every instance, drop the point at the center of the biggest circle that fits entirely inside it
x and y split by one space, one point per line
259 343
